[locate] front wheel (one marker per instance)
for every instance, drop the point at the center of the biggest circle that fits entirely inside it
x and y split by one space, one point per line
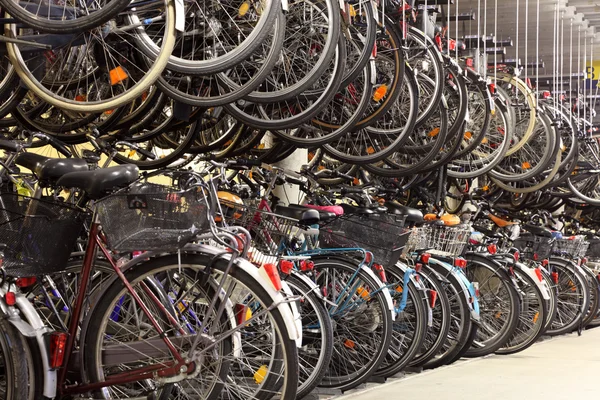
16 364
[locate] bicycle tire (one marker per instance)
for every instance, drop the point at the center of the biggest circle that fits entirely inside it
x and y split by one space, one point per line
17 363
311 373
285 347
347 376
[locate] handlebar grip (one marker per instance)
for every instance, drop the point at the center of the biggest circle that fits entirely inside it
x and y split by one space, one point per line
347 190
146 153
243 163
294 181
60 147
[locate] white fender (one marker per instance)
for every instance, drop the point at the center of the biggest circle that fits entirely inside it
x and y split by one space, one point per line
295 312
38 329
543 286
277 297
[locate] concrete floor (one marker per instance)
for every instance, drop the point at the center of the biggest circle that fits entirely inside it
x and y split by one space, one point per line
567 367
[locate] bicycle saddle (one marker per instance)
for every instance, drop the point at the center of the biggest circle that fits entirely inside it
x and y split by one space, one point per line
98 182
337 210
324 214
502 223
412 214
350 209
8 145
537 230
50 169
303 215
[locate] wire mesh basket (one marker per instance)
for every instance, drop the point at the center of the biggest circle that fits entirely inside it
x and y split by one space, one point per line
384 235
270 233
534 247
439 239
147 216
574 246
38 235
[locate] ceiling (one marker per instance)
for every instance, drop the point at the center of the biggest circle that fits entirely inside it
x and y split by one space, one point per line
582 17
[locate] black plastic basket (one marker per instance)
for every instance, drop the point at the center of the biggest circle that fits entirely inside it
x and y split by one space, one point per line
38 235
533 247
147 216
593 250
384 235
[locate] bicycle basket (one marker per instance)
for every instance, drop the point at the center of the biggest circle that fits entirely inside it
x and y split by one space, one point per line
269 232
383 235
147 216
533 247
39 235
439 239
570 246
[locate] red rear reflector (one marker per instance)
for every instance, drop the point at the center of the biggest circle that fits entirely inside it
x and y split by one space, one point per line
432 298
25 282
307 265
286 266
10 298
425 257
273 275
460 262
492 248
492 87
584 260
516 256
535 257
58 341
368 257
545 262
538 273
418 267
241 312
554 277
381 272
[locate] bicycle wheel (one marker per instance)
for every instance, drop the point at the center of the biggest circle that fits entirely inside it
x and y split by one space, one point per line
259 362
499 306
410 325
441 318
317 336
594 306
532 317
460 327
65 17
92 72
362 322
16 364
573 297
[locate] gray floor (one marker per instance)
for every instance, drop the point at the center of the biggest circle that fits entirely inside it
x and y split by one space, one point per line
567 367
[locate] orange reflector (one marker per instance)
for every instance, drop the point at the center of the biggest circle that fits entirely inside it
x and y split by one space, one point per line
484 141
261 374
243 10
536 317
364 293
117 75
108 112
80 97
370 150
525 165
434 132
355 181
486 188
380 93
498 315
399 289
468 135
349 343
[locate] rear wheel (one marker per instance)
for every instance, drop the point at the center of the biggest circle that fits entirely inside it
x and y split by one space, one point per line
16 364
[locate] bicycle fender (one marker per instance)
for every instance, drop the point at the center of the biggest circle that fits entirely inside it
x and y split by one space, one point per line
33 326
543 286
295 312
